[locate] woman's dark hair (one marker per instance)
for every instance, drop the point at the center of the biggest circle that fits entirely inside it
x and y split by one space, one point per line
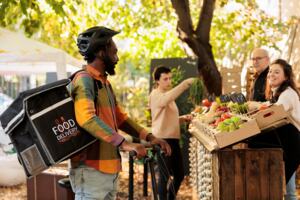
289 82
160 70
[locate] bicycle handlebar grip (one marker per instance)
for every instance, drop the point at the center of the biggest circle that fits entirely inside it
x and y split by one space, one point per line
156 147
132 153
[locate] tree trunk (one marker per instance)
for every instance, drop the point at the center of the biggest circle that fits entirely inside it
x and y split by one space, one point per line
198 41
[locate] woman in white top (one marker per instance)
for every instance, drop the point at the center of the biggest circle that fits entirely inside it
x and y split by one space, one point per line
165 124
281 89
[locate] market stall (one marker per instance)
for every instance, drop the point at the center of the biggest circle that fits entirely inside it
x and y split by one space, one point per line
222 167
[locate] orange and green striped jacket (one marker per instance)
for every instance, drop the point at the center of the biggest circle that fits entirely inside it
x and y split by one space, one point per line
102 120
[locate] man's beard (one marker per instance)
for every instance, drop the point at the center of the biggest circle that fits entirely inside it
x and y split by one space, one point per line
109 65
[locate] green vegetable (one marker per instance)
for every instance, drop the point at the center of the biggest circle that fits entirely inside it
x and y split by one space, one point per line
196 92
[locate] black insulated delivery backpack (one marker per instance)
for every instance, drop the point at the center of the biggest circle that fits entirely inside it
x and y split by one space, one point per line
42 127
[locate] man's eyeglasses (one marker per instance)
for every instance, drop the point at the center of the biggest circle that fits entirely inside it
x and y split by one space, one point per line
258 58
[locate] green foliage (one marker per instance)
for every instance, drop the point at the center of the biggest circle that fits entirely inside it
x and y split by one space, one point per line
148 28
177 75
196 92
132 92
234 34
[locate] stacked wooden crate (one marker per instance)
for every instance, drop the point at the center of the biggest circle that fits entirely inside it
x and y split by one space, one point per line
45 186
243 174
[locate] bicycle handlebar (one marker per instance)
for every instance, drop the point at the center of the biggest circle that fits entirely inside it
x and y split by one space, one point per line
155 148
132 153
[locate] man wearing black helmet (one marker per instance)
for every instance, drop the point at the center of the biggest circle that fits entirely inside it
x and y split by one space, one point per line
94 171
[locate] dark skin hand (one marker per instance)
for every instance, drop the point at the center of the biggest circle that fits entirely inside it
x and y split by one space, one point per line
165 147
140 149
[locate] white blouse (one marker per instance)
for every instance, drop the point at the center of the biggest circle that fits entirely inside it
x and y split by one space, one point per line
291 103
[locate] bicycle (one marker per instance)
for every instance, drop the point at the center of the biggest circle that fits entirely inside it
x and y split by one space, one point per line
149 161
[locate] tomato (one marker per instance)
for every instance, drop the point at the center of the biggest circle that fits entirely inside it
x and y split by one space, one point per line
206 103
197 109
225 116
263 107
217 121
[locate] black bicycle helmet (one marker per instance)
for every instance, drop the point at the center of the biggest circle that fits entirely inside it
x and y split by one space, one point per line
94 37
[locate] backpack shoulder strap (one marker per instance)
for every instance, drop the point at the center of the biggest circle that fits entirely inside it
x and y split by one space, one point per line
97 85
71 77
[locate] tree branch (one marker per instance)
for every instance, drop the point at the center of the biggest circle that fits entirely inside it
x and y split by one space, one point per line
198 41
182 9
205 19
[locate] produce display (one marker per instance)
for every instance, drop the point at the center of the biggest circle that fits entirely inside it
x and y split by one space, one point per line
222 117
196 92
220 123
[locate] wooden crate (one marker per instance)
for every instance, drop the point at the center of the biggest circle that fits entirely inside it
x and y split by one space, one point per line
247 174
236 174
45 187
216 140
269 117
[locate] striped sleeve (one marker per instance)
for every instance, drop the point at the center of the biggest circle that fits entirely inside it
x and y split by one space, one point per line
85 112
127 125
